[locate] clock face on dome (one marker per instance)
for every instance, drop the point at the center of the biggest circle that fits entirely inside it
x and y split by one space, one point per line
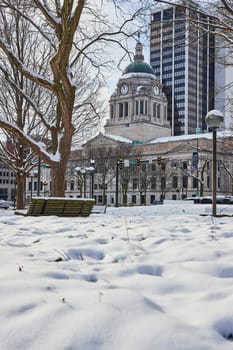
124 89
156 90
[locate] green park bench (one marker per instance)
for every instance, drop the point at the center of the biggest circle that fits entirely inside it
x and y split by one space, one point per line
58 206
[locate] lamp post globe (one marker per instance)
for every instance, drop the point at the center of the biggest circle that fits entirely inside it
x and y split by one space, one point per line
213 120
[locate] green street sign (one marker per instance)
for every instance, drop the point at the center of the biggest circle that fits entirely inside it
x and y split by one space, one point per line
136 142
44 165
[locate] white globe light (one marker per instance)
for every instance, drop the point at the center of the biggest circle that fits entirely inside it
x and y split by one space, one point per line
214 118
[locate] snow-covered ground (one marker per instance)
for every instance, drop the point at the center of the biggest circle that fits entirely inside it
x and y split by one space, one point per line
143 278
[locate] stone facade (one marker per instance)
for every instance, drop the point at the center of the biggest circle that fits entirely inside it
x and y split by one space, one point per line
166 169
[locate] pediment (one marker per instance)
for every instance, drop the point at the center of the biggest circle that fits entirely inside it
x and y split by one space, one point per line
102 140
182 148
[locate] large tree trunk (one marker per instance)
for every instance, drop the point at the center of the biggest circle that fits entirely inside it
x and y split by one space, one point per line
58 180
58 169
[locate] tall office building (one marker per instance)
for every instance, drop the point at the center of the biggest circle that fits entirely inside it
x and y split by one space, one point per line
182 55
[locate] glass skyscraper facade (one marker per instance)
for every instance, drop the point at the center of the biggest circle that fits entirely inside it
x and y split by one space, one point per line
182 56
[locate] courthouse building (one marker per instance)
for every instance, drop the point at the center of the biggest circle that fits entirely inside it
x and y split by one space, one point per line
137 161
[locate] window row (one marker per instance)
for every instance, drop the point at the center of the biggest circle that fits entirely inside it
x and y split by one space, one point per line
141 108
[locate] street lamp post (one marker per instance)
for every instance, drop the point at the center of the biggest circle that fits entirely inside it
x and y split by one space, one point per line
92 166
213 120
83 171
32 175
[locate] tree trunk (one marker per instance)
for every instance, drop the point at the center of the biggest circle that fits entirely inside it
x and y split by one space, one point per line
140 198
104 194
145 197
125 199
58 180
20 180
58 169
201 189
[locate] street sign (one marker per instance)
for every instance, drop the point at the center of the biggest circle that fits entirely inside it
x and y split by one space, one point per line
132 162
44 165
137 142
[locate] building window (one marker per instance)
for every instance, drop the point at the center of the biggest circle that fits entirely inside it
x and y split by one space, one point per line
195 183
154 110
165 113
152 199
135 184
219 182
72 185
153 183
136 107
3 193
111 111
185 181
144 167
126 109
174 182
158 111
134 199
163 183
208 181
120 110
141 107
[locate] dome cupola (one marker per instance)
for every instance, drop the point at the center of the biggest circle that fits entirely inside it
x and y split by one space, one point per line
139 65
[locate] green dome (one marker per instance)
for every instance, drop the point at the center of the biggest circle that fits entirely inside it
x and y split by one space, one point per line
139 67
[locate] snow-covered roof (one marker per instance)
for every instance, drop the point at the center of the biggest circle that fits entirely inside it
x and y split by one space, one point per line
208 135
118 138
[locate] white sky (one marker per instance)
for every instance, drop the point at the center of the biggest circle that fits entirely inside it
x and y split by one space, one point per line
143 278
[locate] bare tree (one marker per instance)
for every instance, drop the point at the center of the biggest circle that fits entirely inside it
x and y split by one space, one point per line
197 174
105 161
17 110
144 175
71 37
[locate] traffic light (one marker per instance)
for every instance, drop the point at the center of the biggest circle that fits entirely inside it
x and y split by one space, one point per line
120 162
138 161
159 160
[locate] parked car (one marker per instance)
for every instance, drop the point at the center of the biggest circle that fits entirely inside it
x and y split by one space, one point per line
155 202
3 204
228 200
219 199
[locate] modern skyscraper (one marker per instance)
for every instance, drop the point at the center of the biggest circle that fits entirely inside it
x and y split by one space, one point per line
182 55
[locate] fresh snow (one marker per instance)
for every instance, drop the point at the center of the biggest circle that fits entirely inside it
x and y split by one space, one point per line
138 278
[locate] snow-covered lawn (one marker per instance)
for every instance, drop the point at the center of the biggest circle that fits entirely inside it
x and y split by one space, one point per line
144 278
